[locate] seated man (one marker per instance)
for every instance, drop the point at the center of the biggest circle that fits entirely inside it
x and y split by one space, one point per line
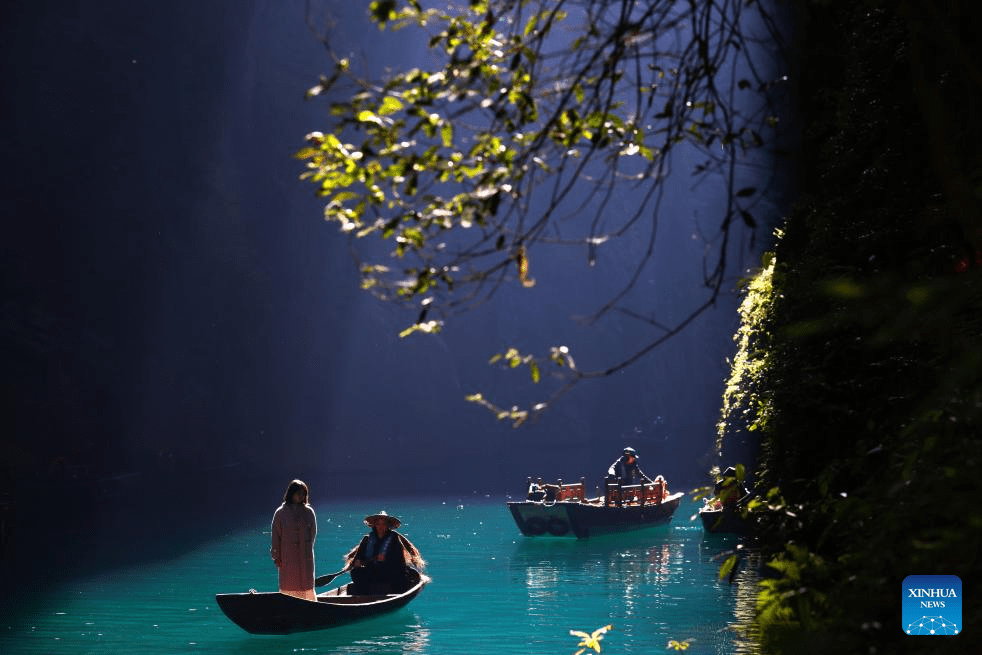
380 563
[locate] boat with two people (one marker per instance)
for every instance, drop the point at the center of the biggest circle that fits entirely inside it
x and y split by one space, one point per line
724 511
276 613
386 575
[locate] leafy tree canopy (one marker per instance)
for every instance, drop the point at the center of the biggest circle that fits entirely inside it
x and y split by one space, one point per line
465 168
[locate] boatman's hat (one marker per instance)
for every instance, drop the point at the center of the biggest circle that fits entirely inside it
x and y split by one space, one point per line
391 520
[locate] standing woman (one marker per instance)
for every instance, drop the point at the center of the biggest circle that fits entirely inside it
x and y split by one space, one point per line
294 531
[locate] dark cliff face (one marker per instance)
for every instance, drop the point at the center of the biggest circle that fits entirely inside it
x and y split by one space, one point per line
872 380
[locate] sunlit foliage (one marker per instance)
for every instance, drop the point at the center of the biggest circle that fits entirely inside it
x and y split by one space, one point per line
464 169
745 403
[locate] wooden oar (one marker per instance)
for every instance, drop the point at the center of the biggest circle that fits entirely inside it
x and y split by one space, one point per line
322 580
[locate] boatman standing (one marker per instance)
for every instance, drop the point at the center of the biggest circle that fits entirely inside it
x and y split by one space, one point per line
626 469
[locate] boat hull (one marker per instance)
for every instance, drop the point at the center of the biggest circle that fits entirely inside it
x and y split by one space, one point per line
718 521
580 520
273 613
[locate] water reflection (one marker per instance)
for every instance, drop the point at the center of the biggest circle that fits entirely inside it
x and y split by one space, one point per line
660 560
400 634
742 584
416 639
631 580
655 582
541 581
651 558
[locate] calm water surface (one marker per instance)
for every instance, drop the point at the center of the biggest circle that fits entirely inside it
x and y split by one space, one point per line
493 591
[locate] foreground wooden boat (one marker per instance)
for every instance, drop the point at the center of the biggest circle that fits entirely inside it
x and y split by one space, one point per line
273 613
563 510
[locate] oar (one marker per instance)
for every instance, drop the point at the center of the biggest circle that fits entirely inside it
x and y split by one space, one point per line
322 580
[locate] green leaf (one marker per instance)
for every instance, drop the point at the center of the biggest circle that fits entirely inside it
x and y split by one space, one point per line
366 116
389 106
534 369
446 132
578 92
306 153
727 566
390 228
530 25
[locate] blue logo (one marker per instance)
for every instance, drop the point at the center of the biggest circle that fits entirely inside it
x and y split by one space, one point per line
932 605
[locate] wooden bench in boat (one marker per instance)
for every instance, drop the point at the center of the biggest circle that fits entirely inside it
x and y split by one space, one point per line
651 493
571 492
557 492
636 494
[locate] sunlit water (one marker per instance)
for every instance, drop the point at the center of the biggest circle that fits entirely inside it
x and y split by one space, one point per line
493 591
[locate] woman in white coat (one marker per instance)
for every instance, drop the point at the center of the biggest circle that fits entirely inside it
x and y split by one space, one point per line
294 530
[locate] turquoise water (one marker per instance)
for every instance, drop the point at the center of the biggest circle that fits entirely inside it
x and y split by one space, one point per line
493 591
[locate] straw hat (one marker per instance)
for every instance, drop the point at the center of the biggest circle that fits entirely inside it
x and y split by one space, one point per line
391 520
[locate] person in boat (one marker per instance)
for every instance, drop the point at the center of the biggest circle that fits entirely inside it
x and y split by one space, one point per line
626 471
383 560
294 530
729 489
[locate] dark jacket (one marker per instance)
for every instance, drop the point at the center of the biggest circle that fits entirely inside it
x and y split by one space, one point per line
388 574
627 473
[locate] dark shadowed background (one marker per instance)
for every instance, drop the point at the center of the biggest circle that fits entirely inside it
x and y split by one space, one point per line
178 324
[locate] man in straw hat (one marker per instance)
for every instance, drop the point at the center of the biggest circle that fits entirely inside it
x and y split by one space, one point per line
380 562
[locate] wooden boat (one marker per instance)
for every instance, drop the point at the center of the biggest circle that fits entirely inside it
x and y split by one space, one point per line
723 512
274 613
718 519
563 510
